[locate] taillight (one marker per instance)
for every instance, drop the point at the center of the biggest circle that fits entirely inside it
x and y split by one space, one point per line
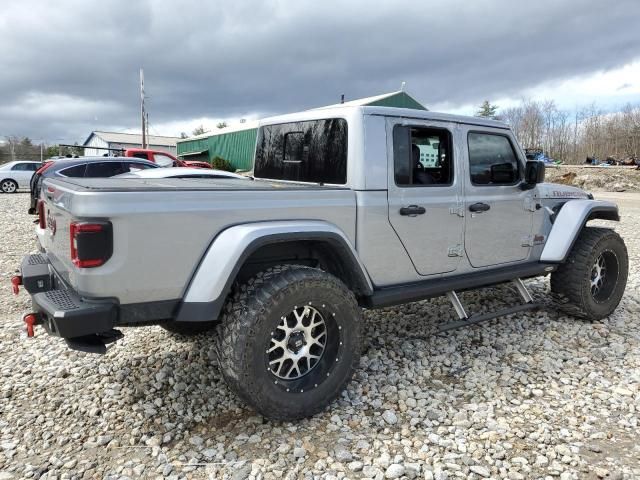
43 168
91 243
41 219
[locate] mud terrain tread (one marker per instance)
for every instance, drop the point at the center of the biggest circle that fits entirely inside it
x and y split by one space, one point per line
247 305
566 281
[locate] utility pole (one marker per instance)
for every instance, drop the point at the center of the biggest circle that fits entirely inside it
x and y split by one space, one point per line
142 112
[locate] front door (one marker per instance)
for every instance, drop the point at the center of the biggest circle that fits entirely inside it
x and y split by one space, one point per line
424 194
498 212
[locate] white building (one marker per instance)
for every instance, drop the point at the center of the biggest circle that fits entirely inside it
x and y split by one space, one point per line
126 140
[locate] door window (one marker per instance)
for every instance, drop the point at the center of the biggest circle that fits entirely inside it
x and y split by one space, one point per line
104 169
492 160
422 156
21 167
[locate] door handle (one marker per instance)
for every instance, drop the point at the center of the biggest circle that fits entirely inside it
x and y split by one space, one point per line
479 207
412 210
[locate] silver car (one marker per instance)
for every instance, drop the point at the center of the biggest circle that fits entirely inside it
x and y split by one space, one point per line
17 174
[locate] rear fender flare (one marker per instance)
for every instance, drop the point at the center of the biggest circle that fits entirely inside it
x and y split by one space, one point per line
212 281
568 224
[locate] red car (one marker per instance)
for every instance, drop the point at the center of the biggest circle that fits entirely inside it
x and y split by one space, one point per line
163 159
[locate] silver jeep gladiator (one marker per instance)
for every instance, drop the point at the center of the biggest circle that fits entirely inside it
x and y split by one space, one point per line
351 207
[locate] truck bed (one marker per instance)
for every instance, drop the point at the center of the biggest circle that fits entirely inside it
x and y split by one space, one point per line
162 228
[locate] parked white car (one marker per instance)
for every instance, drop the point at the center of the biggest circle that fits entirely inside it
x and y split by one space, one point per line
180 172
15 175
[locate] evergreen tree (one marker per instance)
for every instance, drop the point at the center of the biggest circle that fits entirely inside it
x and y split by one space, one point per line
487 110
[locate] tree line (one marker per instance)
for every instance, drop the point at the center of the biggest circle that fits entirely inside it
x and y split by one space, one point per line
22 148
572 137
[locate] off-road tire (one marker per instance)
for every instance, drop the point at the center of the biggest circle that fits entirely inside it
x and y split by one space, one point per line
571 282
8 186
252 316
188 328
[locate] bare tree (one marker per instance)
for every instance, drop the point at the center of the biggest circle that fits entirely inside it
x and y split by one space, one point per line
571 137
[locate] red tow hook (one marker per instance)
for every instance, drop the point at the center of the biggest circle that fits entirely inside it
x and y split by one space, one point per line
31 319
16 281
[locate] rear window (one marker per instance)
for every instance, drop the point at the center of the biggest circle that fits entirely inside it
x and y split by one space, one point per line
75 171
163 160
104 169
312 151
136 166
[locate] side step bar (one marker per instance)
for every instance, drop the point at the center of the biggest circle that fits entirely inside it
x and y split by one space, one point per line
474 319
466 320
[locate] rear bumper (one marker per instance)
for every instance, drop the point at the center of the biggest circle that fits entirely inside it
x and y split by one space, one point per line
62 311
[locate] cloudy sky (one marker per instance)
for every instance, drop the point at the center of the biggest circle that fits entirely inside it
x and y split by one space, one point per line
71 66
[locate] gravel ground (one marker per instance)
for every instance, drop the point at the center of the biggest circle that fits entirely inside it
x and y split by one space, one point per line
613 179
535 395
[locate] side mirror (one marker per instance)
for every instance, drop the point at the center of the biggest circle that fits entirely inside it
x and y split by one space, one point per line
533 174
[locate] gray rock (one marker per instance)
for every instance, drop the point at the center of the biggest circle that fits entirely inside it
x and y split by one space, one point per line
370 471
242 473
480 470
390 417
342 455
394 470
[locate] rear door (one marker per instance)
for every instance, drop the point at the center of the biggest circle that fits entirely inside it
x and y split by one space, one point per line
22 173
499 213
424 193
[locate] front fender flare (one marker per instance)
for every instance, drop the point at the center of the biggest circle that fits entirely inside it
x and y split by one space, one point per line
206 293
569 223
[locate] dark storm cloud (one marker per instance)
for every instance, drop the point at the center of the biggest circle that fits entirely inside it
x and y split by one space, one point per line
72 66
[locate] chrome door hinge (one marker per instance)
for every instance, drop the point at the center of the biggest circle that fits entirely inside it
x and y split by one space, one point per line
455 251
457 209
530 204
533 240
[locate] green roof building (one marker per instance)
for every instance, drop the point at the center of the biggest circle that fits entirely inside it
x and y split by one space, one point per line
237 144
